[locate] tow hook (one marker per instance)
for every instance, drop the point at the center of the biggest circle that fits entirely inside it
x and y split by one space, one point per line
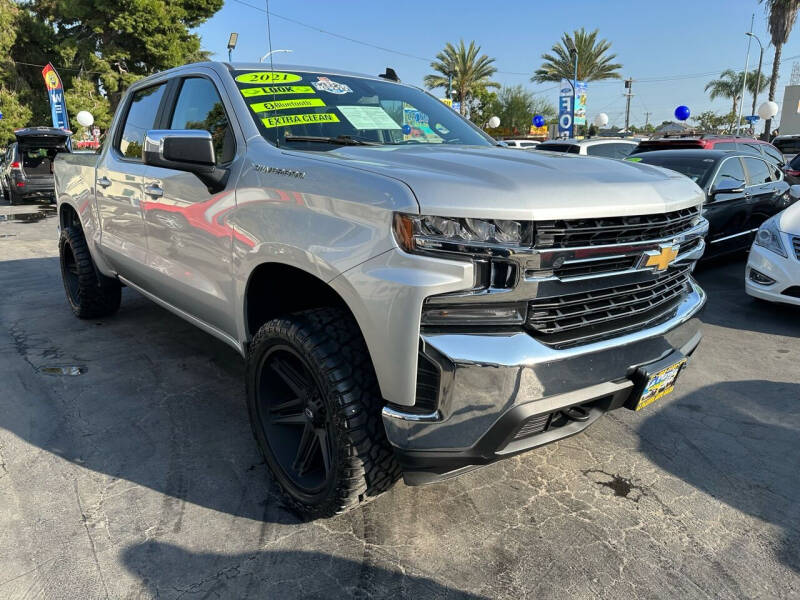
576 413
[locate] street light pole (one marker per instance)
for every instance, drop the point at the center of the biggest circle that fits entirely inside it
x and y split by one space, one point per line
758 77
744 75
574 51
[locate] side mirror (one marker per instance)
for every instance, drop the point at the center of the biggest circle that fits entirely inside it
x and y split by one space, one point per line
794 191
190 150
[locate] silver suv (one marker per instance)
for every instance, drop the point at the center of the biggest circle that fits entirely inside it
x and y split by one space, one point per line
410 298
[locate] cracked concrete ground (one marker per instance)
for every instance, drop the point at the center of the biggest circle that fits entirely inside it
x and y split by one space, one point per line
139 477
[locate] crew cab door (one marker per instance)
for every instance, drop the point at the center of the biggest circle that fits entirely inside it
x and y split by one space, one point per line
727 211
766 188
119 185
189 239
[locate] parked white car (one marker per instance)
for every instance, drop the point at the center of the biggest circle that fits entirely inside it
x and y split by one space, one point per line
773 268
521 143
598 146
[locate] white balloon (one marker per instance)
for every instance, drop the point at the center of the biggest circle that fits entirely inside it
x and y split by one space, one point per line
494 122
768 110
85 118
601 120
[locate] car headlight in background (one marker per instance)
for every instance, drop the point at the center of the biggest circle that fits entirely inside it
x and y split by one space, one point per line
769 237
415 233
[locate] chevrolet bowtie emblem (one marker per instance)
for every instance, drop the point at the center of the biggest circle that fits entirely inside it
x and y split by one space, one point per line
659 259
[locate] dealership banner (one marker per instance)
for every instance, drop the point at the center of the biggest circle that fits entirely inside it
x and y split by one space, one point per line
571 106
55 90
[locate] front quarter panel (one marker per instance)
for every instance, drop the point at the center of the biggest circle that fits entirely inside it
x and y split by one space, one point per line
320 217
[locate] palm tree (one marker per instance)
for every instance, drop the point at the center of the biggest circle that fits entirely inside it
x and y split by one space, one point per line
781 17
461 69
594 61
729 85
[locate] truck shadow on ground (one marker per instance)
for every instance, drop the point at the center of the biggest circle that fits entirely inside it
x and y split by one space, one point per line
737 441
278 574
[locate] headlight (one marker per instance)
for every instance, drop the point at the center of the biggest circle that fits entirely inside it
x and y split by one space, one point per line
769 237
414 233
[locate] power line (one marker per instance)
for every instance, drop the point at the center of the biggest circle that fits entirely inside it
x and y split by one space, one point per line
350 39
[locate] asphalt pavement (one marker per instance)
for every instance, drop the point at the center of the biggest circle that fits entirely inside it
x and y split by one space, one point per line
127 470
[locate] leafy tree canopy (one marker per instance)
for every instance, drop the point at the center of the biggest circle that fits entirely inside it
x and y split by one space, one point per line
464 70
595 62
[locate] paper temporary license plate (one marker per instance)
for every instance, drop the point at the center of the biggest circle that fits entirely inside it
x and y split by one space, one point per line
660 384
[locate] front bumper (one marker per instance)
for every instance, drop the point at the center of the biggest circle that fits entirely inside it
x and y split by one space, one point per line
784 271
494 384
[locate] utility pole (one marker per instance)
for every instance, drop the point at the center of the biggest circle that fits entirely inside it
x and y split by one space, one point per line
647 119
628 94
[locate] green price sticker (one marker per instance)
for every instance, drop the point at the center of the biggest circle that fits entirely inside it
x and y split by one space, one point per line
284 104
277 90
287 120
268 77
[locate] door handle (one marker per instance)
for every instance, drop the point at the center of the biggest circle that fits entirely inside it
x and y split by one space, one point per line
104 182
153 190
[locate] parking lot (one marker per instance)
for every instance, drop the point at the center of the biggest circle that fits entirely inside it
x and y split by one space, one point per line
127 469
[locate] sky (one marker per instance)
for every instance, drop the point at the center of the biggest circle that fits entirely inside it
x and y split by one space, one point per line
671 49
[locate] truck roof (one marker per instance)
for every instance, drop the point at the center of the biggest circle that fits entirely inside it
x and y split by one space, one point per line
265 66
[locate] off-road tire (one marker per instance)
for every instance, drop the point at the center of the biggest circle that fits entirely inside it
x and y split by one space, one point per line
90 294
330 343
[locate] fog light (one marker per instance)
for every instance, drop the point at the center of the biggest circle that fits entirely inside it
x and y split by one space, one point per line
760 278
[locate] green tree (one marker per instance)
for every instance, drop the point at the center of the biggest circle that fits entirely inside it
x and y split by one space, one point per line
483 106
710 121
516 106
461 68
15 112
781 15
84 95
120 42
594 60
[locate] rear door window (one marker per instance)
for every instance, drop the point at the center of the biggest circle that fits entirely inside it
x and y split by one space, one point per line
725 146
772 153
758 172
730 175
141 118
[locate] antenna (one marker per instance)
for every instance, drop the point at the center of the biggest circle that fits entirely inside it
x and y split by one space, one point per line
271 67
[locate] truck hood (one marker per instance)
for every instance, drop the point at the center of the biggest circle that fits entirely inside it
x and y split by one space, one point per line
504 183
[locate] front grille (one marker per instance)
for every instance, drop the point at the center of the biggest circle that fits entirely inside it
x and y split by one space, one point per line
796 244
532 426
614 264
575 233
577 318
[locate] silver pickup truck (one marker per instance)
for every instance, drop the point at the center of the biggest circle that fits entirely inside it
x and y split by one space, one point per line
411 299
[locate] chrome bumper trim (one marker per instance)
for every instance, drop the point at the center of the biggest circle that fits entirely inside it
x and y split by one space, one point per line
414 417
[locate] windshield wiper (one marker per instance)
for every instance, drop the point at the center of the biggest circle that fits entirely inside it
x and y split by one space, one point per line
342 140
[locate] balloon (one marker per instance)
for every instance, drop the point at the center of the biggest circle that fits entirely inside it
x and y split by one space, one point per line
538 121
494 122
768 110
682 113
85 118
600 120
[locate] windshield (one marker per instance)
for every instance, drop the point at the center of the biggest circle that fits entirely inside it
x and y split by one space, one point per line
788 145
696 169
286 105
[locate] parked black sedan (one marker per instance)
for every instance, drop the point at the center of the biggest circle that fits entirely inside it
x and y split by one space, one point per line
742 191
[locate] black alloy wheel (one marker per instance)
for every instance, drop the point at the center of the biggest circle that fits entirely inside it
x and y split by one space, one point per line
295 420
315 410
